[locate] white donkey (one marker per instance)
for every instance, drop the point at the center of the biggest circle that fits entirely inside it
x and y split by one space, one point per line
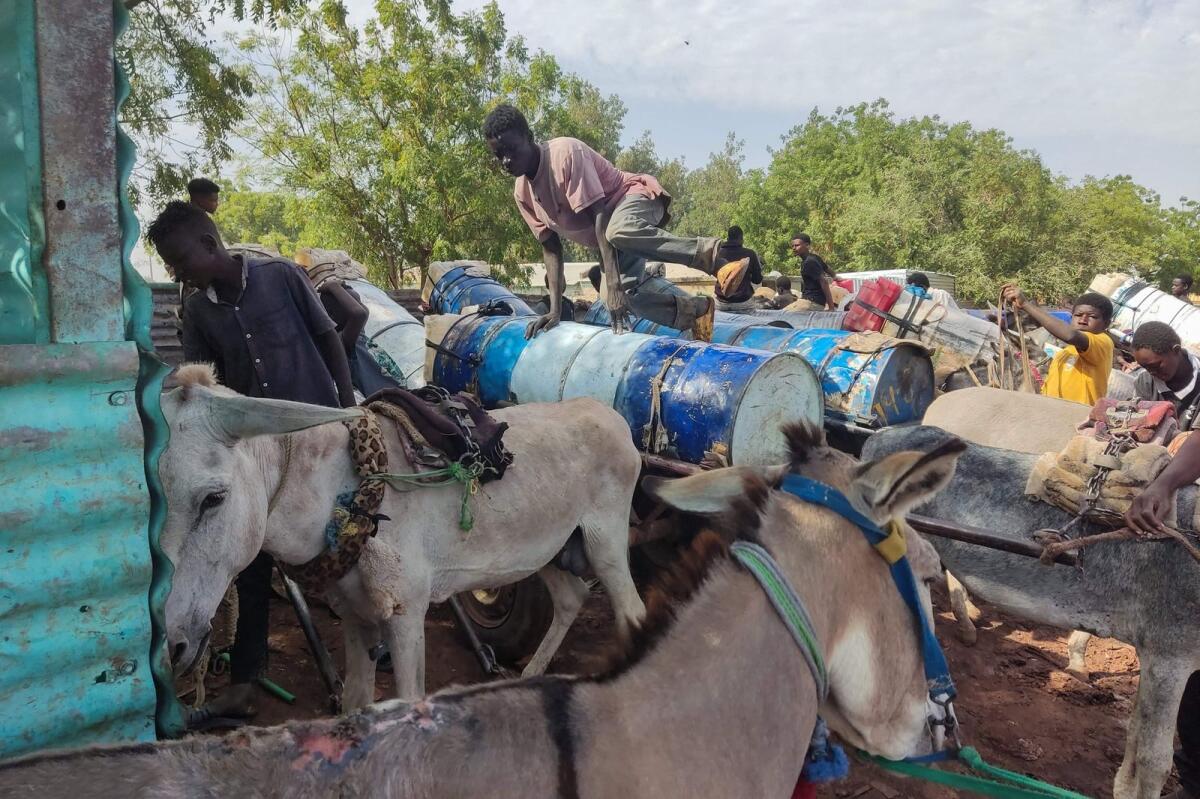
720 702
575 467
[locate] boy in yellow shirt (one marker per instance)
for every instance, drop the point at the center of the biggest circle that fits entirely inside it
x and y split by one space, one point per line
1080 371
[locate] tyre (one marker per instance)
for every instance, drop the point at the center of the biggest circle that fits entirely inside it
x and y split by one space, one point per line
513 619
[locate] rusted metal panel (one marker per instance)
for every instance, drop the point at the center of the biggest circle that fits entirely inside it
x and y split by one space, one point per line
75 570
79 169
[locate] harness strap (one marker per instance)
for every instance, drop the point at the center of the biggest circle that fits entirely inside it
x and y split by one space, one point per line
788 605
937 671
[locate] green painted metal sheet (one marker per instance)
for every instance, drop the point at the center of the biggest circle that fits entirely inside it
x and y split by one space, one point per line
83 581
75 571
24 304
139 316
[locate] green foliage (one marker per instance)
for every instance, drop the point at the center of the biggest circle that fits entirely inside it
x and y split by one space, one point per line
281 220
714 191
380 127
879 193
184 96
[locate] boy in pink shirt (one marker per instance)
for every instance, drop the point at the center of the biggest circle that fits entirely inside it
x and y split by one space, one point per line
565 188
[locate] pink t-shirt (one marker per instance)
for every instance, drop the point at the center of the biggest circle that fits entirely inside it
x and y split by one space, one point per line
570 178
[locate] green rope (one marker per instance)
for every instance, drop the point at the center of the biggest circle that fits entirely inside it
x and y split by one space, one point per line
454 473
1003 784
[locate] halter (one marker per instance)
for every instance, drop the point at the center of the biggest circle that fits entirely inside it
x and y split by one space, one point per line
893 548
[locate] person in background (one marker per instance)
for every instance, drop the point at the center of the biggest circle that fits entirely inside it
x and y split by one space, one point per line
784 296
1169 373
918 284
1079 372
564 188
262 327
543 306
815 276
736 281
1146 515
1181 288
204 194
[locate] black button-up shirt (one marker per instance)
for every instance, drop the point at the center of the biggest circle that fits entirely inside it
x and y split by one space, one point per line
264 343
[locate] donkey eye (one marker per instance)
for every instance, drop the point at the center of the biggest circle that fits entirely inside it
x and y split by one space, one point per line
212 500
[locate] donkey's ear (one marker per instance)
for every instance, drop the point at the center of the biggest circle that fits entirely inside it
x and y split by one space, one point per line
711 492
892 486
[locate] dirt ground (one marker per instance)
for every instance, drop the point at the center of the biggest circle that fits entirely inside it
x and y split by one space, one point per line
1016 704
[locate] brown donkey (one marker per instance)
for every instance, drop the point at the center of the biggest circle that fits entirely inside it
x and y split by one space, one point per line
714 698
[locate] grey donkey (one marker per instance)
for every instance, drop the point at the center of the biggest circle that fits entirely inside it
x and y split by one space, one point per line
1145 594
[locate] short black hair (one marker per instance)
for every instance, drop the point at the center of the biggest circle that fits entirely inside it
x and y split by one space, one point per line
198 187
594 276
504 118
176 216
1186 280
918 279
783 283
1158 337
804 237
1097 301
734 234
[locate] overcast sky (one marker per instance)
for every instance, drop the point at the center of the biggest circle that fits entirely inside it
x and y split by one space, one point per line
1097 87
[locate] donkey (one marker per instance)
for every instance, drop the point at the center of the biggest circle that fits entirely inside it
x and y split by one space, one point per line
997 418
233 491
713 698
1145 594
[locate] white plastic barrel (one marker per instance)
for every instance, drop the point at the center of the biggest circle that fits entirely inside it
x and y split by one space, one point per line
1136 302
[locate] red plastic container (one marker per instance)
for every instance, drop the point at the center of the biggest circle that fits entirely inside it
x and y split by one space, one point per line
848 285
881 294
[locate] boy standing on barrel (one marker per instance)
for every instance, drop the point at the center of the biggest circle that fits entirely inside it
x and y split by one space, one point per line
565 188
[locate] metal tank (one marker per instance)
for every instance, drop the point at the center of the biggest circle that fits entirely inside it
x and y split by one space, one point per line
1136 302
682 399
868 380
453 286
395 331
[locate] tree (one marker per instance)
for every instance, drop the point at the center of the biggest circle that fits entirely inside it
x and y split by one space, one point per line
381 127
181 85
880 193
714 192
281 220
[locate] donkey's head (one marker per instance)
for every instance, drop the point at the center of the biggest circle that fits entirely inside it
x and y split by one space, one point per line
217 487
878 698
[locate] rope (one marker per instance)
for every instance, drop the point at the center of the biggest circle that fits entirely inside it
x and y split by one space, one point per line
651 435
788 605
1052 550
455 472
1027 384
995 781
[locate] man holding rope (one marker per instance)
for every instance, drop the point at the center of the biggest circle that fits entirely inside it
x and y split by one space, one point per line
1146 515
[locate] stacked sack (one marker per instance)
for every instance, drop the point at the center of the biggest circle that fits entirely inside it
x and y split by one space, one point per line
1061 478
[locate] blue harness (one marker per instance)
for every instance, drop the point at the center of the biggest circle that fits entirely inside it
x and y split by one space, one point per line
937 672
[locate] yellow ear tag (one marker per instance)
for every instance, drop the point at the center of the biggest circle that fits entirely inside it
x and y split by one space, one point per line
894 547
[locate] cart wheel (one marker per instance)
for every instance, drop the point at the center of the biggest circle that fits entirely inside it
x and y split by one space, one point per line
512 619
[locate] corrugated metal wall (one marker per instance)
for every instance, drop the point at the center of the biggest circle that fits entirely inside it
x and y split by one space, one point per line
81 581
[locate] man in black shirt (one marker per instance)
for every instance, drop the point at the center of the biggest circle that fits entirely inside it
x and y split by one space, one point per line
740 293
261 325
815 275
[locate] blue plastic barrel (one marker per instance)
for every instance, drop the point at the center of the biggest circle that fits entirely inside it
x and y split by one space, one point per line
885 386
709 397
459 287
485 350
